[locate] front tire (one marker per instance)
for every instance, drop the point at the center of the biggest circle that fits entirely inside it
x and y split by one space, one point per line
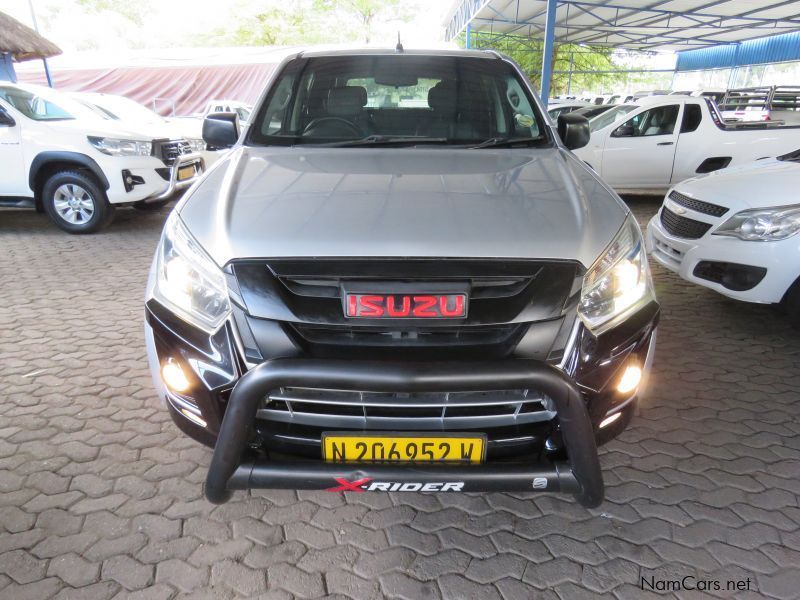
76 203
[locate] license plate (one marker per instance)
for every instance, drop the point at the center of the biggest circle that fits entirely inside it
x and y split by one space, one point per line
187 172
398 447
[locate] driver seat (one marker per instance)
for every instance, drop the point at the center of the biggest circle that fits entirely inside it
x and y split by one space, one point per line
347 103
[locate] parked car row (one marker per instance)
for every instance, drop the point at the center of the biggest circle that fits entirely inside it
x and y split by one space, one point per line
78 156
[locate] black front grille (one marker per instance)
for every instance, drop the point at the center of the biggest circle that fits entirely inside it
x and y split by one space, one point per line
706 208
408 337
683 227
169 151
414 411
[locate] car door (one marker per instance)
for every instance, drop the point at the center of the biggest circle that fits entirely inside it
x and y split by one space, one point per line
13 178
640 152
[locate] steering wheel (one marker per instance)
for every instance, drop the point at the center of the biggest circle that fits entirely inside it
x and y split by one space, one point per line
354 129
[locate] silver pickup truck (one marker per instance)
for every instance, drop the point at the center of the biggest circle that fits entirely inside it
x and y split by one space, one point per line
401 279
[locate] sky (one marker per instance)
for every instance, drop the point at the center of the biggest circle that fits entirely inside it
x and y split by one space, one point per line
170 22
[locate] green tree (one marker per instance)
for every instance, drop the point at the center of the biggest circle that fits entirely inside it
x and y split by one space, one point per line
584 62
133 11
366 11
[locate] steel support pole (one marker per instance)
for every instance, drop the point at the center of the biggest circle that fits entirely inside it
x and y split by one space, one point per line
44 60
468 43
547 58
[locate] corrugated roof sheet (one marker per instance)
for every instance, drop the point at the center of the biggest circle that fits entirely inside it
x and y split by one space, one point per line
634 24
777 48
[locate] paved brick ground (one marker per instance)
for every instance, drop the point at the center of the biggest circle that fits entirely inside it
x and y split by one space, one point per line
100 495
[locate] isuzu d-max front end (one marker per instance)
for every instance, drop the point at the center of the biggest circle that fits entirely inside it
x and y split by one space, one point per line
401 279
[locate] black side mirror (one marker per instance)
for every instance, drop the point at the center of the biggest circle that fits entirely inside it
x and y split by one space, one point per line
623 131
573 130
6 120
220 130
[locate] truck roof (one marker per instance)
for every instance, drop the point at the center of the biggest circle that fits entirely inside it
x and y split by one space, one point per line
355 51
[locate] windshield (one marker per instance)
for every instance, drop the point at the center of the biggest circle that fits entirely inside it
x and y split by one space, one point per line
610 116
402 99
121 108
34 106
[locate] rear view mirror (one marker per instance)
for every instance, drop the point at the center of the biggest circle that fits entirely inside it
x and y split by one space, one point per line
623 131
573 130
220 130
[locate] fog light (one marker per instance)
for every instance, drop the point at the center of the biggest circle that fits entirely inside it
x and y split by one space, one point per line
630 379
174 377
609 420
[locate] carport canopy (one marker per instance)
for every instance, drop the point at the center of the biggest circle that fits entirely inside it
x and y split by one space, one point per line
665 25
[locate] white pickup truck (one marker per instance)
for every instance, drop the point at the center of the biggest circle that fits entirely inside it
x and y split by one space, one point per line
59 157
672 138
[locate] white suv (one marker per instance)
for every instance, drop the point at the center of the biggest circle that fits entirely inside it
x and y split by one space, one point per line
59 157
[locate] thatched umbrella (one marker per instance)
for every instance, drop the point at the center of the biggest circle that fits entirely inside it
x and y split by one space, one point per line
22 42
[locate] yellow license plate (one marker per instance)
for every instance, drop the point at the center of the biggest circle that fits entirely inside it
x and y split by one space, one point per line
186 172
398 447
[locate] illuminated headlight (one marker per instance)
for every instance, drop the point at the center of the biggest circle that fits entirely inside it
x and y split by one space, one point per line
115 147
618 282
197 145
187 280
763 225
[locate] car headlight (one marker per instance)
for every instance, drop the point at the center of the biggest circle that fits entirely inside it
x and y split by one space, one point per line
619 280
763 225
197 145
187 280
115 147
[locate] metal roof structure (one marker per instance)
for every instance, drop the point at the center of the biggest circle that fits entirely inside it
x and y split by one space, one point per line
669 25
773 49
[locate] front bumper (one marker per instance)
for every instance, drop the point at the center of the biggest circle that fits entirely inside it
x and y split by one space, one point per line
682 256
231 469
558 454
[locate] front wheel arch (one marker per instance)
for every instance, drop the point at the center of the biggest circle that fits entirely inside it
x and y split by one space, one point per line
47 164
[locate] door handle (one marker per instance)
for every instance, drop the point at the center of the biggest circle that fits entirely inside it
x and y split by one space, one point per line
664 143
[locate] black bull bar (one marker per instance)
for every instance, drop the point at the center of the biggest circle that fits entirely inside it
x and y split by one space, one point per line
580 476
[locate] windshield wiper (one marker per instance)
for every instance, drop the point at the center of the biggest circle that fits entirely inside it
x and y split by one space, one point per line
506 142
792 156
377 140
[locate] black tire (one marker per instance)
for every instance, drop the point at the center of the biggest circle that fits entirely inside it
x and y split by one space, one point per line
91 211
791 302
151 206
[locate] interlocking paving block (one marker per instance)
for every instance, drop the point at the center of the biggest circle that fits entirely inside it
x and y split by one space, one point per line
101 496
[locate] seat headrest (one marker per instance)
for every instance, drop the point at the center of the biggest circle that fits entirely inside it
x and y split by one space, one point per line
443 97
346 101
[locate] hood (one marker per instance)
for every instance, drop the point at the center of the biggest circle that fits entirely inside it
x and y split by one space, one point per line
402 202
760 184
129 130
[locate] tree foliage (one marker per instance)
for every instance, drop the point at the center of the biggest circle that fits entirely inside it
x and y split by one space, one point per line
366 12
528 53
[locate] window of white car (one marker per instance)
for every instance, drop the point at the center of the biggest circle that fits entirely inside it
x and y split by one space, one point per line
33 106
607 118
659 120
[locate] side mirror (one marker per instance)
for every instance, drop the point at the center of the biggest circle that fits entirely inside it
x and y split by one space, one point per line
573 130
220 130
6 120
623 131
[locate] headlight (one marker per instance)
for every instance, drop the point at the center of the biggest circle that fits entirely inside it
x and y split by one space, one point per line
618 281
187 280
763 225
197 145
115 147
